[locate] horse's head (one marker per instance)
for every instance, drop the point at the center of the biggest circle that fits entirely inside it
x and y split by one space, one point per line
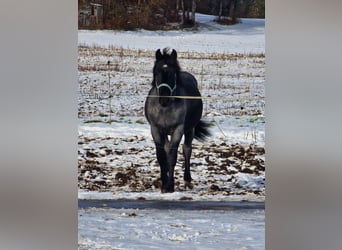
165 74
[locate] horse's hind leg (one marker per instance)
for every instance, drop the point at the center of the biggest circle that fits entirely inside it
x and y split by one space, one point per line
187 149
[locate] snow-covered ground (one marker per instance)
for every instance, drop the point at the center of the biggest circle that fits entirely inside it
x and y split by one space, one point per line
118 159
116 151
246 37
107 228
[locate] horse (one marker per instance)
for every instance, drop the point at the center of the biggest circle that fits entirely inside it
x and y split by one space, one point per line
173 108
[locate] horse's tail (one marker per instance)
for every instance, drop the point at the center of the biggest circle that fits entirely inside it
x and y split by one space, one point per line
202 130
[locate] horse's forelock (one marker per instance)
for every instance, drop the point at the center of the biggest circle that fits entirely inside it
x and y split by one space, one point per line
168 58
167 51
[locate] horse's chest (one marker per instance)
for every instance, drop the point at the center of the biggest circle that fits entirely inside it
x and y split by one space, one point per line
166 118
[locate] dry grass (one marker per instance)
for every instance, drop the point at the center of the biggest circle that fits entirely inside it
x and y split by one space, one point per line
121 52
231 84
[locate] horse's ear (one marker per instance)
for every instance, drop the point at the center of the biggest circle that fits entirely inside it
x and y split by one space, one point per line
174 54
158 55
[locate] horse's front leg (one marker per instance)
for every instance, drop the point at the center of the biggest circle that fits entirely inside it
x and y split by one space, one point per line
160 140
172 157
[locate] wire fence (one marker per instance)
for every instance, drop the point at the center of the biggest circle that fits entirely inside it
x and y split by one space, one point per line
99 102
114 82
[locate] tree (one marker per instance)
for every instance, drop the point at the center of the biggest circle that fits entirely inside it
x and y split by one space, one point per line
220 10
186 5
232 9
193 11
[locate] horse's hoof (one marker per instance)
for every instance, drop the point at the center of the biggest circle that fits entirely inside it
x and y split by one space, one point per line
164 191
188 184
167 190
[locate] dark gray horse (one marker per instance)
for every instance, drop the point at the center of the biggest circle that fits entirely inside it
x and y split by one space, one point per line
173 108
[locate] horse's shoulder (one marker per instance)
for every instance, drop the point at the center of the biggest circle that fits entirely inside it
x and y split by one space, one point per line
188 80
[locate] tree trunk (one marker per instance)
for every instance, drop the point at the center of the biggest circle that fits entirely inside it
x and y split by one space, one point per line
193 11
232 9
177 9
183 9
220 10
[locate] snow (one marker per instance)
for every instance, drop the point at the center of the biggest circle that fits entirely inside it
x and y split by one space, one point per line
227 128
134 145
245 37
171 229
126 144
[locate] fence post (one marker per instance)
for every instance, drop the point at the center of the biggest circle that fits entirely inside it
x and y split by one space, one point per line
109 93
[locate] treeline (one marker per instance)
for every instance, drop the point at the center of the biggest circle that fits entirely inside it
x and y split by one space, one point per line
230 8
167 14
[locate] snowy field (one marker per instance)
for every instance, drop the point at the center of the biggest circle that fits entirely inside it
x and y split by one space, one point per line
116 155
176 228
246 37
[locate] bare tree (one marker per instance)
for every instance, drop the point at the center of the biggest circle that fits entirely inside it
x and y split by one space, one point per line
220 10
193 11
187 7
183 11
231 8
